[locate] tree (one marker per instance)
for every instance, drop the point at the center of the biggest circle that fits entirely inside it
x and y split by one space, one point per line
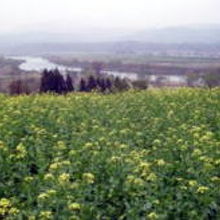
101 84
92 83
69 84
121 84
53 81
60 84
44 86
194 80
82 85
212 79
108 84
18 87
140 84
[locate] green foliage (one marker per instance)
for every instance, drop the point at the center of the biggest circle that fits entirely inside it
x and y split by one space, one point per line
135 155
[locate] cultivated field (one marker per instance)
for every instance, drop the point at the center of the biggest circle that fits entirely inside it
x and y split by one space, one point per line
137 155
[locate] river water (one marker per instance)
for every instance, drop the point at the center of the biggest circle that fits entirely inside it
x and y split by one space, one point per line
38 64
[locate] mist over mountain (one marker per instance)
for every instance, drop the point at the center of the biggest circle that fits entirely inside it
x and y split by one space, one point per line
110 40
191 34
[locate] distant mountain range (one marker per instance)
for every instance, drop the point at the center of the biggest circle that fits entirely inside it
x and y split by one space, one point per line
105 40
198 34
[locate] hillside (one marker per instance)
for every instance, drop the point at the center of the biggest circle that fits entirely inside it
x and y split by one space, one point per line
135 155
193 40
186 34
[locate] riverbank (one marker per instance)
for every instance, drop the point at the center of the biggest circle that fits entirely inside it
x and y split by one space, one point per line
40 63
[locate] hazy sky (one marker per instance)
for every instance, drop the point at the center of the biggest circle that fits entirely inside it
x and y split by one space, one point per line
23 15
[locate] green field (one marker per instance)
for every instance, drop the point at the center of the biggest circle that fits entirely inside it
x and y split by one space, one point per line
182 61
136 155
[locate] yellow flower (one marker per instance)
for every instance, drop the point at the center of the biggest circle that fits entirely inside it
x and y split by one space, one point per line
48 176
5 207
5 203
179 141
152 177
2 146
13 211
123 146
74 206
152 216
179 179
51 192
215 179
196 135
72 153
161 162
54 166
74 185
202 189
60 145
32 217
183 147
3 211
43 196
95 127
138 182
183 187
156 142
124 131
89 178
206 159
28 179
20 151
144 166
197 152
192 183
57 165
46 215
217 162
157 202
115 159
208 166
66 163
130 178
102 139
89 145
64 178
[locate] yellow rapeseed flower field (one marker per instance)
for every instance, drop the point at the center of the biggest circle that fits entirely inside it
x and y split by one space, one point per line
136 155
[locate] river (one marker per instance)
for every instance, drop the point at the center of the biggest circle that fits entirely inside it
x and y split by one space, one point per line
31 63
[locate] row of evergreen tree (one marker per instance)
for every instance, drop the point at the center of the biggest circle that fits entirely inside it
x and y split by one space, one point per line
95 84
54 81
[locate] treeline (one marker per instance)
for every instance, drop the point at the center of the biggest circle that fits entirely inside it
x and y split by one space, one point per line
210 78
53 81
